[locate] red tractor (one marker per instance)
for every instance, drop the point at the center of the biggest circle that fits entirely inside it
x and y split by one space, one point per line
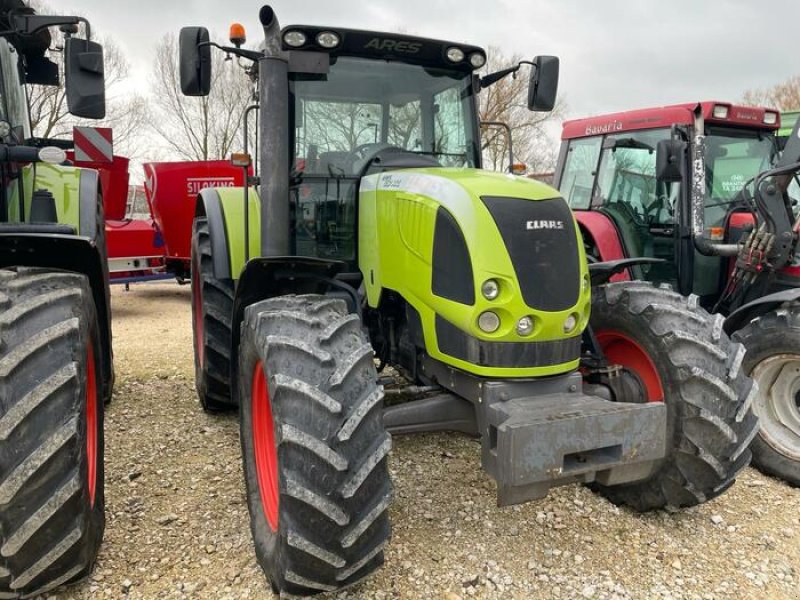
701 191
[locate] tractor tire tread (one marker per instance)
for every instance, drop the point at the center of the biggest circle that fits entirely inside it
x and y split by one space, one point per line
50 533
212 379
711 427
334 492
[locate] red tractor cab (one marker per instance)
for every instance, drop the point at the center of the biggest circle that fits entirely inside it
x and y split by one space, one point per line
607 173
704 190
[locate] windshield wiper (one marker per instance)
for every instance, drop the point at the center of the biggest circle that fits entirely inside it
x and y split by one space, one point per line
614 143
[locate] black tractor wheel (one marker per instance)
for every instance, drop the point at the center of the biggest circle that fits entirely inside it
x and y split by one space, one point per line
773 361
313 444
51 431
212 307
684 359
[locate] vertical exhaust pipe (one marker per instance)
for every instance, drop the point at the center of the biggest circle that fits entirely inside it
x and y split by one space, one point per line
274 156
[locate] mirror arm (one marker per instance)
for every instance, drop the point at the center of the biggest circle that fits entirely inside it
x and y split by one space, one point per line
28 24
240 52
505 127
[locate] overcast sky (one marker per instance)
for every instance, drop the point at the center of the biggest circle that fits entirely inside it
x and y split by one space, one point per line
615 54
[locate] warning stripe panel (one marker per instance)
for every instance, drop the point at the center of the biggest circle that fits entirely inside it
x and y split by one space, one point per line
93 144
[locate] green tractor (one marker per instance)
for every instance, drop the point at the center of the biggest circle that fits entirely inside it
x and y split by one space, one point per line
56 367
375 237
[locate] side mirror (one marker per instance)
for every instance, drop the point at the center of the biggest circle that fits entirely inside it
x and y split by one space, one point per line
543 86
669 160
84 78
195 61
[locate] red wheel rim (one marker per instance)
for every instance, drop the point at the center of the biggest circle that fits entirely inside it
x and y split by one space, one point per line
622 350
197 301
91 423
264 448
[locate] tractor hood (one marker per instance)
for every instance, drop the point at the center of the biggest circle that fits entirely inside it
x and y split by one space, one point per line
437 235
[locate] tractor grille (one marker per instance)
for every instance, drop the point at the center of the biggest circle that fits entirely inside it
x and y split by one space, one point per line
513 355
542 243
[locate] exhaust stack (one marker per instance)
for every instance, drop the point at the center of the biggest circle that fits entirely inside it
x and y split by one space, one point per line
274 156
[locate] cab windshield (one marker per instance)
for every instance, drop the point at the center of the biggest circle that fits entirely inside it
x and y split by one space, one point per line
368 102
359 109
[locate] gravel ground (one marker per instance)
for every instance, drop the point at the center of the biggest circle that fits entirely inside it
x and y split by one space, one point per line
178 525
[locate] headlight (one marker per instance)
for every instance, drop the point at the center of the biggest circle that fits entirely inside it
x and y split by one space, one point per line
570 323
477 60
295 39
489 322
455 54
328 39
490 289
525 326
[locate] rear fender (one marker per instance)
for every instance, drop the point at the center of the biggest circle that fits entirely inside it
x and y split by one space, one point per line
744 314
600 232
76 254
224 209
75 191
264 278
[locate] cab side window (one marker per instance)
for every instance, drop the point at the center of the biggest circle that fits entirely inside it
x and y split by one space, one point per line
579 170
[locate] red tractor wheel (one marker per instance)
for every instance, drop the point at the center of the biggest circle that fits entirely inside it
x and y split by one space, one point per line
684 359
51 431
212 308
313 444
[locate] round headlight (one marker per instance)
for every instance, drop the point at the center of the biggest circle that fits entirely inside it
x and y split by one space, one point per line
525 326
489 322
328 39
570 324
455 55
295 39
477 60
490 289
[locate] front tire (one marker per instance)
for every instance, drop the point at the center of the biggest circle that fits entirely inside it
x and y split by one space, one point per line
684 359
773 361
313 444
212 309
51 431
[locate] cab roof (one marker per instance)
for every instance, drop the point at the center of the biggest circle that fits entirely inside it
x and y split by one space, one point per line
386 46
666 116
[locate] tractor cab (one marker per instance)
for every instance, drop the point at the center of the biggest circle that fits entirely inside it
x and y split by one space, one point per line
385 102
609 165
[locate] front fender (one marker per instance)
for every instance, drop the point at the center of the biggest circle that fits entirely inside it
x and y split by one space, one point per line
264 278
744 314
72 253
224 209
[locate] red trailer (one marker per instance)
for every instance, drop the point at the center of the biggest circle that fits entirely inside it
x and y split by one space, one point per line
172 189
135 247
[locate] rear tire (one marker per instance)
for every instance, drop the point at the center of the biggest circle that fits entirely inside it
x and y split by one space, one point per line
212 307
773 360
51 431
313 444
681 353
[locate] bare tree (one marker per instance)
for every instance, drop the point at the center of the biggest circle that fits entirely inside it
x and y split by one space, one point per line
199 128
126 111
507 101
783 96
